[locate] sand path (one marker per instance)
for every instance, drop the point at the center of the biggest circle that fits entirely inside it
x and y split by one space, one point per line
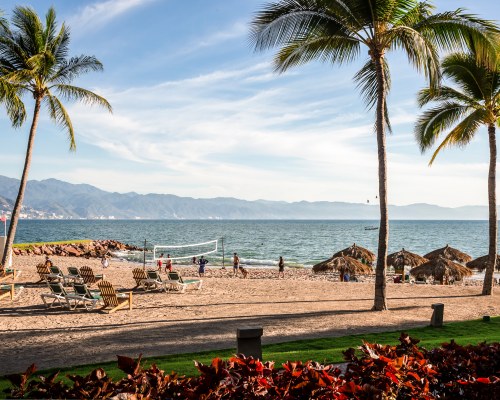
298 307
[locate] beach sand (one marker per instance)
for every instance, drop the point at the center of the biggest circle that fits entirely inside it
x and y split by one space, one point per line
298 307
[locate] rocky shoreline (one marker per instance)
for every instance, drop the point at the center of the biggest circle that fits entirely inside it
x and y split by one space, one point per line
94 248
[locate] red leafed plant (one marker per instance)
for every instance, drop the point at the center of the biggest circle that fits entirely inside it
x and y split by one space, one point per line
405 371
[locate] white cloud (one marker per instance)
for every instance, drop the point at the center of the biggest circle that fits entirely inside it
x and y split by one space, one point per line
98 14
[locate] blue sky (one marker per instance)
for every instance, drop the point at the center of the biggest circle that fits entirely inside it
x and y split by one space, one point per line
198 113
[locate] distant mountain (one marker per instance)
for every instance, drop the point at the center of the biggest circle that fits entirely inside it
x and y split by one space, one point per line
52 198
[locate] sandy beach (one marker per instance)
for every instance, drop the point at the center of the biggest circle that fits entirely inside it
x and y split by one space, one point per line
300 306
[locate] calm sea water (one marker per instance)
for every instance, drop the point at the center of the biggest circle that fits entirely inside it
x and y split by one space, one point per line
262 242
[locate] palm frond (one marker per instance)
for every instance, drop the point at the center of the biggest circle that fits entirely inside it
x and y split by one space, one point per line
292 20
10 97
324 48
463 133
445 93
436 120
420 51
453 30
473 79
61 117
75 66
75 93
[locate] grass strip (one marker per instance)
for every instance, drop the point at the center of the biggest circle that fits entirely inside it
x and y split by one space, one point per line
30 246
324 350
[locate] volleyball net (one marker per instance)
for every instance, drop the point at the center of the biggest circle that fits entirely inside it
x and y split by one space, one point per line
186 251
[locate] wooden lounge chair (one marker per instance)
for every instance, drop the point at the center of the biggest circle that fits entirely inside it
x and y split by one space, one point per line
154 281
142 280
88 276
177 283
10 291
58 295
8 273
113 299
46 275
83 296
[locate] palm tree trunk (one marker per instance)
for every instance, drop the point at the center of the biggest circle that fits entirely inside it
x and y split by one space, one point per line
383 235
492 202
22 187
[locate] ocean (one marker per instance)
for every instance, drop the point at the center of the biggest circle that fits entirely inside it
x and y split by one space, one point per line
260 243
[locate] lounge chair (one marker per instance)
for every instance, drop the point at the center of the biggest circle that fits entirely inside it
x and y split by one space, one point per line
113 299
154 281
142 279
176 282
10 291
74 275
58 294
56 273
8 273
83 296
88 276
46 275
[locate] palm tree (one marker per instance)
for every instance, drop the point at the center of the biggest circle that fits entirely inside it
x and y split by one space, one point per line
335 31
460 112
34 59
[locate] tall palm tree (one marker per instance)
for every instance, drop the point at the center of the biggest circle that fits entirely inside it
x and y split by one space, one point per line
336 30
34 58
474 101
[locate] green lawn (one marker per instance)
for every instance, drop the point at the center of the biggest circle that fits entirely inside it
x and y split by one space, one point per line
327 350
25 246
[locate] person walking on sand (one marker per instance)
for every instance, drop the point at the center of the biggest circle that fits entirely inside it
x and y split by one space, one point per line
168 264
105 261
236 264
159 263
201 270
281 268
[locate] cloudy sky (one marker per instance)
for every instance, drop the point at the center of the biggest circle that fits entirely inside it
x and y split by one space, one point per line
198 113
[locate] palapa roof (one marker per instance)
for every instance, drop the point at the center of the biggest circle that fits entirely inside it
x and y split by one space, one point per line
441 267
342 263
481 263
450 253
404 258
357 252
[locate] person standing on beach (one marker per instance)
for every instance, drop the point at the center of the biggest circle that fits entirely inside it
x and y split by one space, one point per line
281 268
159 263
104 261
201 270
168 264
236 264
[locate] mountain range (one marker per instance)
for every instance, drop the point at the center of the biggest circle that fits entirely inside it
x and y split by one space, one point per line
52 198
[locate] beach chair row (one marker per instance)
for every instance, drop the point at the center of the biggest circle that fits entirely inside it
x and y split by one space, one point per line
86 298
75 275
151 280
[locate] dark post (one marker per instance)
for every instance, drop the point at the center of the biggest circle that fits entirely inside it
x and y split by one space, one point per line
249 342
144 255
437 315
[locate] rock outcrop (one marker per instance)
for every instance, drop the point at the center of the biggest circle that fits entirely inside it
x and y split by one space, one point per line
94 248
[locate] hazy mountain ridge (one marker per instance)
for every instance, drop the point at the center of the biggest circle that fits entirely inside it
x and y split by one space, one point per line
63 199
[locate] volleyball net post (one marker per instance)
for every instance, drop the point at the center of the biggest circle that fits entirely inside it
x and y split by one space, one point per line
223 258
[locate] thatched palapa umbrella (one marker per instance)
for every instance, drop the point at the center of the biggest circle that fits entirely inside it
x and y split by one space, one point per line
481 263
405 258
449 253
441 269
342 264
358 253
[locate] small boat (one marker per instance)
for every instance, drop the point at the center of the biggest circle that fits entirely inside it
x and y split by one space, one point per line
371 228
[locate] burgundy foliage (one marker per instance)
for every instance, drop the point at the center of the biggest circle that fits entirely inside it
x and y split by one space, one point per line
405 371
